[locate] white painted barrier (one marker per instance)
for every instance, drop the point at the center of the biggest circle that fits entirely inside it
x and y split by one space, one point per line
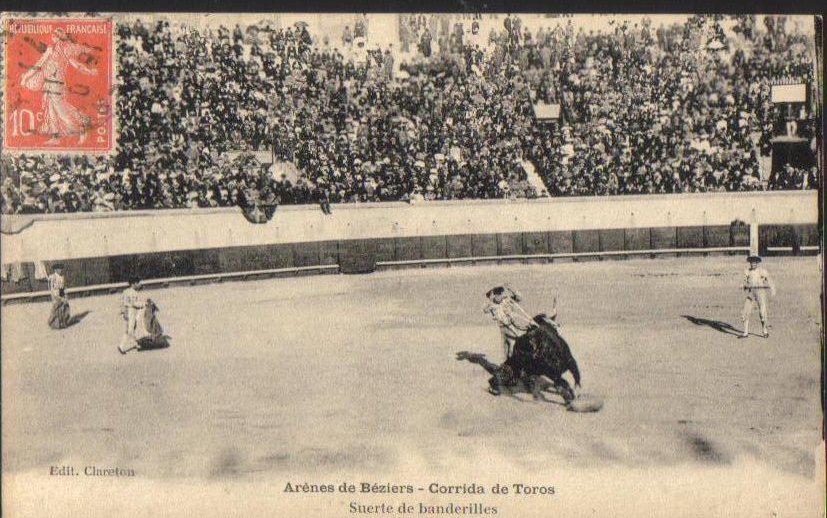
73 236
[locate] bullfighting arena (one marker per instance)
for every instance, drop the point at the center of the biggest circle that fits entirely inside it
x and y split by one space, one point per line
354 378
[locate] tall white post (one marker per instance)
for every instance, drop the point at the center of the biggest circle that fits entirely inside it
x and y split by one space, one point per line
753 234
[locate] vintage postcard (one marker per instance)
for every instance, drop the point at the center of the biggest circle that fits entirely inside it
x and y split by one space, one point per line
416 264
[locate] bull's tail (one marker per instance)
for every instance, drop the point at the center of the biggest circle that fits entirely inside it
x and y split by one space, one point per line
575 371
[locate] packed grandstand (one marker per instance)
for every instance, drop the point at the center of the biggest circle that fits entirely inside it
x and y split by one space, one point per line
446 109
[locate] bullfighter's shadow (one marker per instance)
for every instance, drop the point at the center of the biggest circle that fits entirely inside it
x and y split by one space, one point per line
717 325
76 318
153 343
537 389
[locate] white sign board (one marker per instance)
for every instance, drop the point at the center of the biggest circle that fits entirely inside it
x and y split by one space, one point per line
789 93
263 157
546 111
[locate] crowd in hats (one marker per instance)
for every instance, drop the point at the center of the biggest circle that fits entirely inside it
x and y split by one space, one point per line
680 108
791 177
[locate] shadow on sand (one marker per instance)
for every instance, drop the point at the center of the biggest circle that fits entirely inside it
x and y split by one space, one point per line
148 343
76 319
153 343
717 325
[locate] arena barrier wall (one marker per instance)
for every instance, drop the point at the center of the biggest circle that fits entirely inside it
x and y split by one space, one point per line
102 249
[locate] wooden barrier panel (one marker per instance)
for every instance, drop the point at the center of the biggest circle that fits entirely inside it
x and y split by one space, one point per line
306 254
612 240
159 264
385 249
560 242
690 237
664 237
31 280
230 259
434 247
273 256
96 271
586 241
408 249
739 235
29 277
787 236
483 245
459 246
357 255
329 252
770 236
166 264
637 239
12 287
206 261
716 236
808 235
16 280
247 258
510 244
122 267
535 243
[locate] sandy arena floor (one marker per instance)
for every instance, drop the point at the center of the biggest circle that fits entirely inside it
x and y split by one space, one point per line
335 375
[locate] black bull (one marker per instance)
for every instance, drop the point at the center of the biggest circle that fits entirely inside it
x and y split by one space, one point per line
539 352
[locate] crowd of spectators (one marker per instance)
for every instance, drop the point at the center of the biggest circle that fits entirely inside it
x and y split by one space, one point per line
792 177
676 109
681 108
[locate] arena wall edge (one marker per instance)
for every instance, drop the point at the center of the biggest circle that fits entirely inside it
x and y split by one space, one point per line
106 248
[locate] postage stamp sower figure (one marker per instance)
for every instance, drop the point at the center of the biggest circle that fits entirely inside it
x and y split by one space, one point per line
58 85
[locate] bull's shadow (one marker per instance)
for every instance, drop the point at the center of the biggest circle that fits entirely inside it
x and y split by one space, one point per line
717 325
537 387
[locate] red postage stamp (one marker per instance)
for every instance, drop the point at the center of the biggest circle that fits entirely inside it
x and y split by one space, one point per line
58 85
